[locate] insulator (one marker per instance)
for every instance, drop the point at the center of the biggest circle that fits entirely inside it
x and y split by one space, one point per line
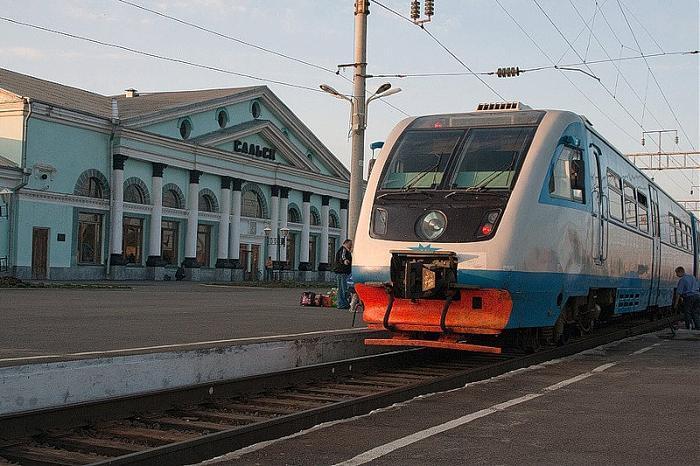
676 139
508 72
643 141
415 10
429 8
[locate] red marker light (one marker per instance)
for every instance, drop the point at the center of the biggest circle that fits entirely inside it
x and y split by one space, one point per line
437 124
486 229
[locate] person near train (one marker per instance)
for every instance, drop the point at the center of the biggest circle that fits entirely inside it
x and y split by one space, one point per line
342 269
688 293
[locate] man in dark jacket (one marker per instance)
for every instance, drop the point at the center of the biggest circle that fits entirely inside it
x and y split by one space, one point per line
343 267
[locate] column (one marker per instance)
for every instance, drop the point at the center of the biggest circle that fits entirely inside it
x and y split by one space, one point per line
304 264
343 220
117 215
154 242
325 211
192 220
284 211
224 223
274 225
234 242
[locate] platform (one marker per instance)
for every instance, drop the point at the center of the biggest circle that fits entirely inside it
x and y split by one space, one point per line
40 325
632 402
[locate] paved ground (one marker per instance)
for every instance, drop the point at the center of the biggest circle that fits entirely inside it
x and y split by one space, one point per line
644 409
37 322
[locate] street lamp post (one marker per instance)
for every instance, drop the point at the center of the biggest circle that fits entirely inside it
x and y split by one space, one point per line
358 111
280 240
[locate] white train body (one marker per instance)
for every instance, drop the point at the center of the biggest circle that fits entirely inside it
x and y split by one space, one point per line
552 247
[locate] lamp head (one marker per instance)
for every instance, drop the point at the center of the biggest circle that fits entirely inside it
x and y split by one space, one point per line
383 88
267 231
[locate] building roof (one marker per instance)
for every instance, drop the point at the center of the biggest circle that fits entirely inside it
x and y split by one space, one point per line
99 105
7 162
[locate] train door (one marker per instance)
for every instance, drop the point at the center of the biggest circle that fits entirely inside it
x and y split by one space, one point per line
656 248
599 216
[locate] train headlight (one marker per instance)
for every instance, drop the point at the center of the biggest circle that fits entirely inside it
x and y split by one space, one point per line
432 225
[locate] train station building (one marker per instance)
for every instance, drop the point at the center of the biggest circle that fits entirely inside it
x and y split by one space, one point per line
132 186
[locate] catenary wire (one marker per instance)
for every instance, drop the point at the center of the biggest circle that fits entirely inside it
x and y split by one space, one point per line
445 48
670 107
248 44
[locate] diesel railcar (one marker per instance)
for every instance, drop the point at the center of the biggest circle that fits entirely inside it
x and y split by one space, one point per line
510 224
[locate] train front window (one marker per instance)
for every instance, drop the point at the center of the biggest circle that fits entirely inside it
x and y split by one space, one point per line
420 159
490 157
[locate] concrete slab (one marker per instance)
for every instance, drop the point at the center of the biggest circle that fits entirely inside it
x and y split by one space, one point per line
54 384
44 322
636 402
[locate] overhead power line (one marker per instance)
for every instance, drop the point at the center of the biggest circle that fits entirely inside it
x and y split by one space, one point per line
529 69
444 47
247 44
157 56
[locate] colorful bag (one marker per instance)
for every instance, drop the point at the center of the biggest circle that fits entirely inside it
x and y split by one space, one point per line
307 298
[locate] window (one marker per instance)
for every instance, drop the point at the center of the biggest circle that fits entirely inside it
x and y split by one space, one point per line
203 244
252 206
614 195
168 242
171 198
642 211
185 129
567 168
293 215
630 205
222 118
206 203
132 240
333 221
95 188
689 236
255 110
89 238
315 217
134 194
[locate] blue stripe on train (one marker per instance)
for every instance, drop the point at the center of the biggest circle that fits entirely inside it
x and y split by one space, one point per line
535 294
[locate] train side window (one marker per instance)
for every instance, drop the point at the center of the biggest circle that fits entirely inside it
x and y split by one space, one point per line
567 177
671 229
614 195
689 238
642 211
630 205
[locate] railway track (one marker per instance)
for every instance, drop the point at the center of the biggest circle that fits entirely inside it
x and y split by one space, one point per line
193 424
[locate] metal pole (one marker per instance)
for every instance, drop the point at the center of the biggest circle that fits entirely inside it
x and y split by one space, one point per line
358 116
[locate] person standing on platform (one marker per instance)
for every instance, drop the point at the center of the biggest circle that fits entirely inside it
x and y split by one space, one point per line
268 268
688 291
343 267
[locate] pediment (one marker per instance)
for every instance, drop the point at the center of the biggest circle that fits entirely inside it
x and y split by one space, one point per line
260 139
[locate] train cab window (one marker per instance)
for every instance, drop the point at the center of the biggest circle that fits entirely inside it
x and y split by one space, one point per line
490 157
642 212
566 181
420 159
614 195
630 205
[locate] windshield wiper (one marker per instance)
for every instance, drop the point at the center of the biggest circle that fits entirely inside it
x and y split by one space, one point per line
482 185
420 175
403 193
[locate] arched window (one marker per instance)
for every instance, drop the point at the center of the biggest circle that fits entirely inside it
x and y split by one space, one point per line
136 191
207 201
315 216
92 183
252 207
173 197
133 193
333 221
293 215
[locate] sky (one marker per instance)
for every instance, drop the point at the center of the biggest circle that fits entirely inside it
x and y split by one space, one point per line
622 99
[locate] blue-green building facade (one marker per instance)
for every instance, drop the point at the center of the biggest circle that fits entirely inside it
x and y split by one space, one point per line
133 186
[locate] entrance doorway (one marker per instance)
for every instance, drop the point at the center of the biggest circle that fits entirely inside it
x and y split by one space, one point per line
249 255
40 253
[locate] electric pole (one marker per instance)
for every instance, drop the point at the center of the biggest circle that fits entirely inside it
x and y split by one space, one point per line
357 158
